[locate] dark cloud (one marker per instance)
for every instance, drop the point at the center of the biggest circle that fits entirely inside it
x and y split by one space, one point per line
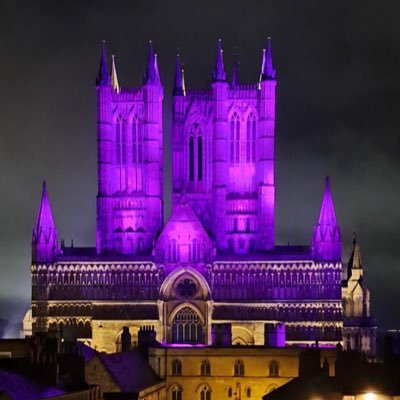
338 98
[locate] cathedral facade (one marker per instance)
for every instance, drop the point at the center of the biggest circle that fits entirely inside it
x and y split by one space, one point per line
214 265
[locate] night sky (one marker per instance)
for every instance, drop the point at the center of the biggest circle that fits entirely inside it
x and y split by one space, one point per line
338 114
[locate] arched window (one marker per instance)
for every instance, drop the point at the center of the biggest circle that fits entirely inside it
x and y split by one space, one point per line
274 368
229 392
248 391
120 141
191 158
176 367
205 393
199 158
187 327
176 393
251 137
235 139
137 140
239 368
205 368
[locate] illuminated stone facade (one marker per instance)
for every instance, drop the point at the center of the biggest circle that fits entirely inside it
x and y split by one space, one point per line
215 261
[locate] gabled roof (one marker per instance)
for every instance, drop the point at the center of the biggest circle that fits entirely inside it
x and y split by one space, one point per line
129 370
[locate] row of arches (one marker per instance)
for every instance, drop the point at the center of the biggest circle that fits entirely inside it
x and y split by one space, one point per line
242 146
279 313
125 141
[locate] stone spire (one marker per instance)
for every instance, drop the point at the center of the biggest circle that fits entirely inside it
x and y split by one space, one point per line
326 243
235 71
152 75
219 74
45 236
103 77
354 267
114 76
179 85
267 69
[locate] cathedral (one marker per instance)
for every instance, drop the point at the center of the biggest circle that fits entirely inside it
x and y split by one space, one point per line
212 273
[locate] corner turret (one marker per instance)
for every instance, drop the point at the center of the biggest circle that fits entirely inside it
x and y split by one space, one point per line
45 236
103 77
152 74
179 84
326 242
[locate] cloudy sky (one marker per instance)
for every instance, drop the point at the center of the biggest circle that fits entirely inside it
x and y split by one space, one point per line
338 114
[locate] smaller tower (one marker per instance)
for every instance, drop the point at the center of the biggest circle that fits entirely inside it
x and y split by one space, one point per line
45 236
179 83
326 242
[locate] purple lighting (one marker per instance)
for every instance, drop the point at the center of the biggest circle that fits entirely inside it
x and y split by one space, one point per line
326 243
45 236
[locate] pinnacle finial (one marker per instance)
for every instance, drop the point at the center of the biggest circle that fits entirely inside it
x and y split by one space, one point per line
152 75
219 74
114 76
235 72
267 69
179 86
103 77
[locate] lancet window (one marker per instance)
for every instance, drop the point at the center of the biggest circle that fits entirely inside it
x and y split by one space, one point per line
235 139
205 368
137 141
120 141
176 367
196 153
191 158
251 136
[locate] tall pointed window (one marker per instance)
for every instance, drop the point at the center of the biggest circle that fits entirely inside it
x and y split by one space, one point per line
200 158
176 393
251 137
191 158
235 139
176 367
205 369
273 368
137 140
120 141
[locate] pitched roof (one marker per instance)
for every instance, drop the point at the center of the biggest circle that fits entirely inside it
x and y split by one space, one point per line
129 370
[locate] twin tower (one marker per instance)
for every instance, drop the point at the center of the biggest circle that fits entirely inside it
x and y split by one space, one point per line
223 182
222 164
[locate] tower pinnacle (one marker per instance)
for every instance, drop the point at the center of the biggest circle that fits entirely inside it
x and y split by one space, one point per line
219 74
152 75
179 85
326 243
267 69
235 72
103 77
114 76
45 236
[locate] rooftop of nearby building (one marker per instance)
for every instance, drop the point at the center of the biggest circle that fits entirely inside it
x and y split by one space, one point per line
20 387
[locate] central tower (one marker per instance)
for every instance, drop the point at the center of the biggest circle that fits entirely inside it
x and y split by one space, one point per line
130 176
223 155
